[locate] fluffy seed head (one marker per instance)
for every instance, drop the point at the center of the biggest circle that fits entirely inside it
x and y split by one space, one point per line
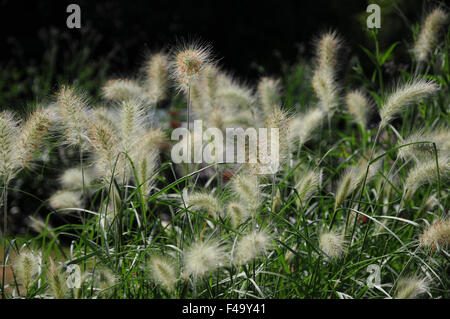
437 235
428 34
250 246
105 144
323 83
238 213
269 93
188 62
57 281
72 178
203 257
332 244
423 151
425 173
157 76
411 287
246 187
74 115
122 90
163 272
132 118
353 178
307 184
324 78
358 106
327 50
65 199
405 95
26 267
204 201
8 151
305 124
32 135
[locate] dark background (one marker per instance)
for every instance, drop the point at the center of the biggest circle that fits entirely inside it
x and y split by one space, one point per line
245 34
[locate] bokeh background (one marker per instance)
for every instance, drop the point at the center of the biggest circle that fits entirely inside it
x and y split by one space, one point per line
250 38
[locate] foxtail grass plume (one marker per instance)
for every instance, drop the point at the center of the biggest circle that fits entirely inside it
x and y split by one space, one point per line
157 76
403 96
303 126
427 37
203 257
269 93
246 186
26 267
411 287
18 144
251 246
426 173
9 130
423 151
72 178
238 213
163 272
106 148
353 178
332 244
132 119
307 184
188 62
32 134
122 90
358 106
73 112
204 201
437 235
66 199
280 119
324 77
145 157
57 281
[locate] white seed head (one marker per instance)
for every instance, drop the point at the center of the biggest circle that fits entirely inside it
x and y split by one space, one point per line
9 130
307 183
187 63
405 95
423 151
437 235
332 244
305 124
205 202
72 178
157 76
122 90
203 257
163 272
57 281
411 287
66 199
251 246
358 106
426 173
428 34
26 267
269 93
73 112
